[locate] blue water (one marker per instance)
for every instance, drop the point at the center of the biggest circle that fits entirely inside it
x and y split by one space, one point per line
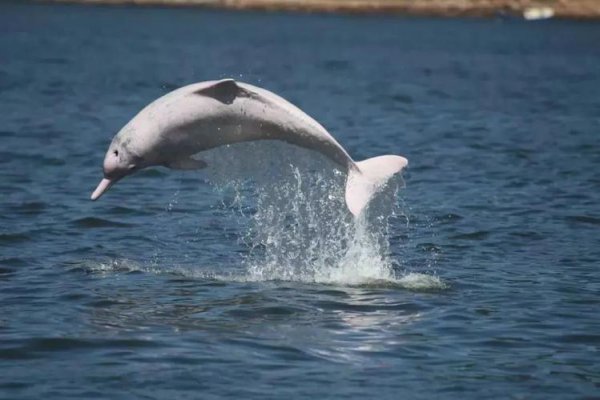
476 278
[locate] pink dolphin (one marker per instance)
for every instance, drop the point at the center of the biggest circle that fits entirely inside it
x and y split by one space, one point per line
205 115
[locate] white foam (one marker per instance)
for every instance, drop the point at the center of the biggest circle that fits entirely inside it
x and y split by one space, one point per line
418 281
344 275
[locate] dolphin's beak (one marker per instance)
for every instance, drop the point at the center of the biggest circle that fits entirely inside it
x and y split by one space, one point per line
103 186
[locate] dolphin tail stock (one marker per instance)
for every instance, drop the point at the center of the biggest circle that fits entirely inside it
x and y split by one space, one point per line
370 176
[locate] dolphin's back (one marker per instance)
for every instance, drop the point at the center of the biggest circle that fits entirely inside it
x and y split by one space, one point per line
291 112
239 112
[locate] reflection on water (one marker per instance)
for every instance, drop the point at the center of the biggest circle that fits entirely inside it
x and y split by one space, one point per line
337 323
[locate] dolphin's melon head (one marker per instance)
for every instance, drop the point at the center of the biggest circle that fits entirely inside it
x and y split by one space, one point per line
119 162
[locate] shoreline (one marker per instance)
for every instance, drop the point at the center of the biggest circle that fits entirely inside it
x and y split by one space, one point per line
564 9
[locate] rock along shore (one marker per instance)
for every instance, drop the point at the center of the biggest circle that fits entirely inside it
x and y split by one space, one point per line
577 9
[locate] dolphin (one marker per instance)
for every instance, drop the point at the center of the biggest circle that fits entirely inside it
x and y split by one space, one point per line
205 115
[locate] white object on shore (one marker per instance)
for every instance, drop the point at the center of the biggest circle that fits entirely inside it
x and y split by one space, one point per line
538 13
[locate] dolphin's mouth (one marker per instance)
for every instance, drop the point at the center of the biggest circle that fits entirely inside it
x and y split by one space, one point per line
103 186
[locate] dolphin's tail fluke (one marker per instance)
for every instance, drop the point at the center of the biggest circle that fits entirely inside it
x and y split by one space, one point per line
370 176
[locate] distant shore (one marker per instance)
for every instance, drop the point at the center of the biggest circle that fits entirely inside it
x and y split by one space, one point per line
574 9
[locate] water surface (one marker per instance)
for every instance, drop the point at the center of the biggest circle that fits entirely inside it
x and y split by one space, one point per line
483 282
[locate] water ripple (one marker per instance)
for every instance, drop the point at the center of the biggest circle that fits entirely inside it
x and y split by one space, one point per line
94 222
482 280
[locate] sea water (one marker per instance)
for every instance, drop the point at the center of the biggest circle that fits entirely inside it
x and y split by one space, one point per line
475 275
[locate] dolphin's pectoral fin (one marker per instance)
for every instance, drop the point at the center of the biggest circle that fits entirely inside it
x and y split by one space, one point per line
225 91
186 164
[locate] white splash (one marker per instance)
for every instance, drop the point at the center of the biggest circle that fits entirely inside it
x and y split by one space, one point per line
299 228
294 225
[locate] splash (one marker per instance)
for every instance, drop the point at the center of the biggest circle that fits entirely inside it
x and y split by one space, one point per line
296 225
412 281
314 239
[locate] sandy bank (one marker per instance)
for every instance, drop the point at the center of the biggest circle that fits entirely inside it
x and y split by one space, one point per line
580 9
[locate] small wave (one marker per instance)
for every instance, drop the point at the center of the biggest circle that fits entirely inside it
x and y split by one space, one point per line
92 222
478 235
29 208
32 348
10 238
583 219
6 271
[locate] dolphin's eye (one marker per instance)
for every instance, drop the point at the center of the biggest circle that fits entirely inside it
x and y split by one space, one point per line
116 153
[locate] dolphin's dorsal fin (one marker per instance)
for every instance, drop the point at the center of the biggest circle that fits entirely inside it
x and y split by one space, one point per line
225 90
